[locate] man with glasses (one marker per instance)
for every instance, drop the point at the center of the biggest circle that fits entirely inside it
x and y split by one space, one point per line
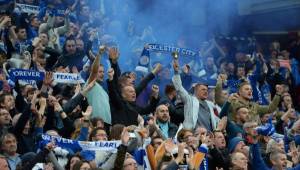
98 134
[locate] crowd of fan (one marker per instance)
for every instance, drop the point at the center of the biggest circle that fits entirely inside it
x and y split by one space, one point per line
249 120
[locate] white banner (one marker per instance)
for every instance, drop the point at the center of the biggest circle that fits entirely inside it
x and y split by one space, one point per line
67 78
28 8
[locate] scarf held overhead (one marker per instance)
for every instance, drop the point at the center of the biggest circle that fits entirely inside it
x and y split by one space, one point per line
109 146
22 74
144 60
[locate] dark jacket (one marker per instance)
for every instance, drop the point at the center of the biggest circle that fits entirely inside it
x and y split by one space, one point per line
219 158
71 60
176 111
120 157
125 112
172 129
232 128
40 157
138 88
26 143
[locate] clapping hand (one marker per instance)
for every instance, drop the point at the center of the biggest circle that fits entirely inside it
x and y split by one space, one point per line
86 115
222 124
125 136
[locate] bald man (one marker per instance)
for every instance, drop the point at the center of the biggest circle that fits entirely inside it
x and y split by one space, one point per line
162 115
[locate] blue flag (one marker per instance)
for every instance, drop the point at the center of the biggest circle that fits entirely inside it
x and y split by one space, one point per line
22 74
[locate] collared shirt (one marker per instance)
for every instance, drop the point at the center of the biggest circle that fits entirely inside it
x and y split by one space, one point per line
164 127
13 161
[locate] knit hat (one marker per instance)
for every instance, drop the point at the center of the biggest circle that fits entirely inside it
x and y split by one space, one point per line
233 142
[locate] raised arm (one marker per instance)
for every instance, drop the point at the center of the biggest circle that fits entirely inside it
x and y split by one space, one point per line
66 27
143 84
274 104
257 160
113 58
95 65
218 90
45 27
178 84
115 98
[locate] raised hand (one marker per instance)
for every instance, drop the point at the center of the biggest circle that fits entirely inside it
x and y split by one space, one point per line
180 155
102 49
43 101
111 73
50 146
233 98
152 120
27 56
77 88
222 77
175 65
154 91
87 88
67 12
40 121
157 69
36 42
294 153
5 22
125 136
141 121
91 54
34 101
293 114
222 124
57 107
48 79
204 138
113 54
169 146
185 69
93 35
86 115
189 158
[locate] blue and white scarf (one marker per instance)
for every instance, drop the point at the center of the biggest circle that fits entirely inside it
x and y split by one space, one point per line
145 59
108 146
23 74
